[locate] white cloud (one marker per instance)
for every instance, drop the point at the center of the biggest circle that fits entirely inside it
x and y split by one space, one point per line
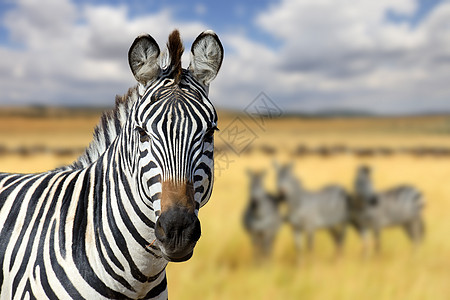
200 9
350 51
75 55
339 54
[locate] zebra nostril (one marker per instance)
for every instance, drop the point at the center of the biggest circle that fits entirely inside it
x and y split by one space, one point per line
177 229
159 231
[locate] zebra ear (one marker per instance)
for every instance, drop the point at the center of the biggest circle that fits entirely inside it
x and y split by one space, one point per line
206 57
142 58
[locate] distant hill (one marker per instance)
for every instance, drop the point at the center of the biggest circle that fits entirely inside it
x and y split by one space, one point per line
50 111
336 113
38 111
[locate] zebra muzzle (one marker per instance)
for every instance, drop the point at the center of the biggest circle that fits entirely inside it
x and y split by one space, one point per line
177 228
177 232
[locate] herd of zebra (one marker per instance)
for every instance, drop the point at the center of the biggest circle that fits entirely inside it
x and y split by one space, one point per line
106 226
331 208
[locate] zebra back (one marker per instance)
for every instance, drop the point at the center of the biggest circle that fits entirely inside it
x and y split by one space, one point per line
395 206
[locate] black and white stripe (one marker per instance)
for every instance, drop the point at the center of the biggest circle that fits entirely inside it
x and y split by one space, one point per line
171 136
372 210
309 211
87 231
262 218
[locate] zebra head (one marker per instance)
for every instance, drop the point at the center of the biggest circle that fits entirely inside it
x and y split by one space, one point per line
257 183
173 125
287 184
363 183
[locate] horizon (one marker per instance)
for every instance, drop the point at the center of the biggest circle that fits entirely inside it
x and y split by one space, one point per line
383 57
79 110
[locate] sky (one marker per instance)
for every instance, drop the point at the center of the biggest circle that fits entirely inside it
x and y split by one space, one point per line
384 56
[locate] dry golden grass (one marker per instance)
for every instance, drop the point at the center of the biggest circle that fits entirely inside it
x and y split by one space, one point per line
51 132
223 267
223 259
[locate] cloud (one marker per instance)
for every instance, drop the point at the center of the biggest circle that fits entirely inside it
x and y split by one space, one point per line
200 9
77 55
352 52
323 54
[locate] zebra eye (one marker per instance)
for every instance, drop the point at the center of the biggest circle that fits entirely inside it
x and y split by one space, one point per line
143 136
210 133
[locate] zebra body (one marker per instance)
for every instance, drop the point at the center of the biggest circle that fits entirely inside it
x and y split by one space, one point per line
106 226
56 235
308 211
262 218
324 208
398 206
392 207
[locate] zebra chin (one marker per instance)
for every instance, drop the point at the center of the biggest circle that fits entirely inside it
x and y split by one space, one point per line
177 232
178 259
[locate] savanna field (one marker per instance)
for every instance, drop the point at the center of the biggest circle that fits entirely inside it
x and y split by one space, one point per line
412 150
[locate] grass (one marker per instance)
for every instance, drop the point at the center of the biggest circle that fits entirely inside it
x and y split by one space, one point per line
223 266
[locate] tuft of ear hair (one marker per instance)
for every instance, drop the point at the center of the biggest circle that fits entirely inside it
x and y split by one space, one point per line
175 48
142 58
206 57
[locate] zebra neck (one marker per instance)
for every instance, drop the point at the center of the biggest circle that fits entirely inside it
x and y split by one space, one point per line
120 191
123 223
111 124
366 192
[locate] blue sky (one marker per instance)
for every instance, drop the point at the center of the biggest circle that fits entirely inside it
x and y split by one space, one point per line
381 56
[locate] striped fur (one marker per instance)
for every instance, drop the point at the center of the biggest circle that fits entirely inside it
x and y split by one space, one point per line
309 211
373 210
88 230
262 218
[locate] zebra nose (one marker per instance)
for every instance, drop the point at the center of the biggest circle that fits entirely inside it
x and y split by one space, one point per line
177 231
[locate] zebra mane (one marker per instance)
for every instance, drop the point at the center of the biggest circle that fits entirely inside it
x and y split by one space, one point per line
109 127
175 48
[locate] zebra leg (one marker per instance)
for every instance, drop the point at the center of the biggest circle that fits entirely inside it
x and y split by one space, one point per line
377 239
409 230
363 232
257 246
310 241
298 239
338 235
267 244
415 230
421 228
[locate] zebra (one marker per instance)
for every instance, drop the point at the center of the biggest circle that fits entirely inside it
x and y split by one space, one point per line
261 218
106 226
308 211
398 206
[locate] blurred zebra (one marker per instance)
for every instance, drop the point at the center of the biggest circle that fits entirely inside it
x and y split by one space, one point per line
106 226
308 211
262 218
398 206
